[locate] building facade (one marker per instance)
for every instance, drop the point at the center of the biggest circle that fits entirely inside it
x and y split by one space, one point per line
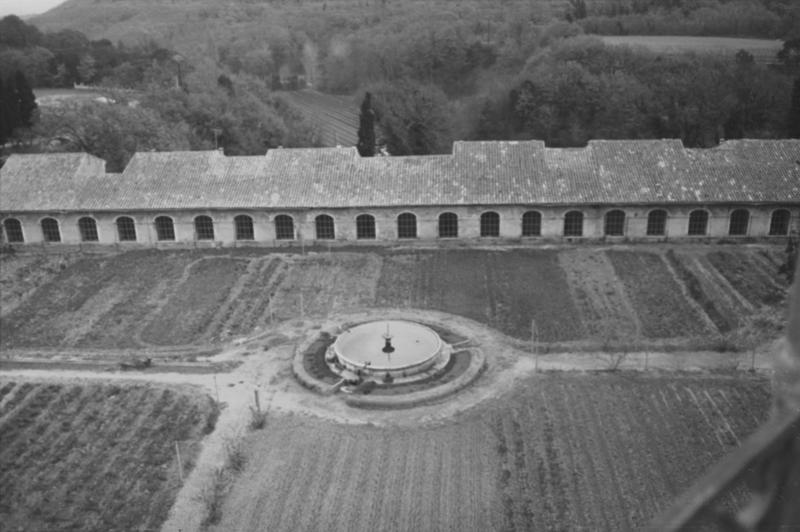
483 191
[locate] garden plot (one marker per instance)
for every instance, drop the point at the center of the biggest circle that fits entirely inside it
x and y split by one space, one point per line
186 315
751 278
600 298
310 474
503 289
656 296
21 274
94 302
560 452
249 307
95 457
317 285
174 298
718 299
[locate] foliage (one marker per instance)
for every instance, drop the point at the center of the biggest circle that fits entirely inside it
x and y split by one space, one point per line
414 118
789 267
366 128
17 105
741 18
15 33
794 111
581 89
789 56
67 56
111 131
242 118
486 70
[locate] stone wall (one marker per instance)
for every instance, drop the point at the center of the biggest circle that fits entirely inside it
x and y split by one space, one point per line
469 225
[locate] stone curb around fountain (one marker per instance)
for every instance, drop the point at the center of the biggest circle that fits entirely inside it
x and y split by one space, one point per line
305 378
476 366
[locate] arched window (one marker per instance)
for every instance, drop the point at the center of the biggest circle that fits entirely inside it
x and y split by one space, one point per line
50 230
126 229
448 225
13 229
615 223
88 229
365 226
325 227
244 227
407 225
165 230
490 224
698 222
203 228
573 223
284 227
531 224
657 222
740 219
779 223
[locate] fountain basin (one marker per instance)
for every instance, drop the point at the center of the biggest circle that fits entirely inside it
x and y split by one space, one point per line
360 349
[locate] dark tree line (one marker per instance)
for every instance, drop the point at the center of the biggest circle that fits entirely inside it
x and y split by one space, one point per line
581 89
17 105
366 128
66 57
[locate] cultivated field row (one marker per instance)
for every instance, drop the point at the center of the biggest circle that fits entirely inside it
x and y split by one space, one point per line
611 298
336 117
561 452
95 456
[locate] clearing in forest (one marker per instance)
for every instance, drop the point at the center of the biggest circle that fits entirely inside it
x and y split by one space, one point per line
762 50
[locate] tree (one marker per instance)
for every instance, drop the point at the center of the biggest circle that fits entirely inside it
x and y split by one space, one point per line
15 33
794 111
26 100
366 128
87 69
4 133
113 132
226 83
789 55
576 10
9 100
788 267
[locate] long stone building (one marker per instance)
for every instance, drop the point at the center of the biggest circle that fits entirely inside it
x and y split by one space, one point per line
483 191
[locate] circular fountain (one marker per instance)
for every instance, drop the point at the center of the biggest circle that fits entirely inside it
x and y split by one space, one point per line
400 349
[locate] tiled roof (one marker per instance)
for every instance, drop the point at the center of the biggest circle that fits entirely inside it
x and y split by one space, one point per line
56 181
513 172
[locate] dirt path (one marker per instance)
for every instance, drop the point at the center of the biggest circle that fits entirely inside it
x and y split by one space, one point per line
268 371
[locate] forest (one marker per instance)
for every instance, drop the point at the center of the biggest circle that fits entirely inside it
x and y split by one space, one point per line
209 75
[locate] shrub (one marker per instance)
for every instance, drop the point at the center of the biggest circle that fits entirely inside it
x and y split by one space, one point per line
258 418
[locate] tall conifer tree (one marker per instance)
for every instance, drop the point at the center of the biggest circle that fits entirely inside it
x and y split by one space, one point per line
26 100
366 128
794 111
10 102
4 126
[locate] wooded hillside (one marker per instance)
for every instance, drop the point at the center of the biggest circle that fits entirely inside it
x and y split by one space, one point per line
438 71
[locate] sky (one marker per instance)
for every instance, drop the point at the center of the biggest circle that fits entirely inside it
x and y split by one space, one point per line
26 7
